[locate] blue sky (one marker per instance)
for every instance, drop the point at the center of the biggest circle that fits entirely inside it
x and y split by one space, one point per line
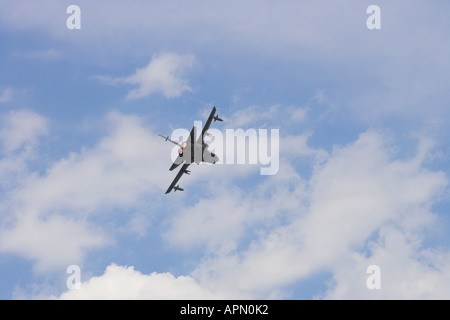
364 157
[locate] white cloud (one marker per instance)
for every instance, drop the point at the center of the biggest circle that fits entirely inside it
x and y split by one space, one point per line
393 79
268 30
360 207
254 114
121 282
21 128
43 55
164 74
53 242
217 223
351 198
298 114
46 217
320 224
260 116
6 95
19 138
115 172
298 145
407 270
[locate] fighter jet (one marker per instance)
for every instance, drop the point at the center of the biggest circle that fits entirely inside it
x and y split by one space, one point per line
192 150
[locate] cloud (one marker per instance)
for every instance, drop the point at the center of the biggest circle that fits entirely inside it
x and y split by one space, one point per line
53 242
351 200
47 217
261 116
21 128
164 74
19 139
393 80
360 206
254 114
122 282
6 95
114 172
43 55
217 223
407 270
216 25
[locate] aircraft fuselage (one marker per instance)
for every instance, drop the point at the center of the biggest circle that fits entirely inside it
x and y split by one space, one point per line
199 153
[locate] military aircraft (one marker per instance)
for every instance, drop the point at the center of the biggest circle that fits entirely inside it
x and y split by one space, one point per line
192 150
